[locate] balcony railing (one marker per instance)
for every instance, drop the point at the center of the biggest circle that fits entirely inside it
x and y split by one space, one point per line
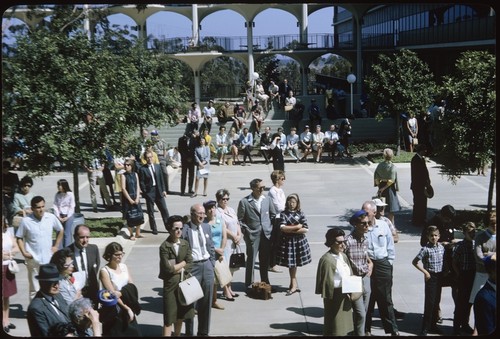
466 31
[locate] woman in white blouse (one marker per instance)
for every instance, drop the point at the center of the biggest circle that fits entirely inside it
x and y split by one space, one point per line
333 266
64 209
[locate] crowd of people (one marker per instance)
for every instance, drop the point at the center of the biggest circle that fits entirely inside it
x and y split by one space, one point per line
70 291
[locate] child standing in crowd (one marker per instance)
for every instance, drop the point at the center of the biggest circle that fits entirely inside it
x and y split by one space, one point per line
431 258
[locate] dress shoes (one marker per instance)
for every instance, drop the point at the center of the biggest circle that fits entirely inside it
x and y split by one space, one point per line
395 334
399 315
155 233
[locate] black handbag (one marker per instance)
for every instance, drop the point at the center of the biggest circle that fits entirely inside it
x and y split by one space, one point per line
237 259
135 216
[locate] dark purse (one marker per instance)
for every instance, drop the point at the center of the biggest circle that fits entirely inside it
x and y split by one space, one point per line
135 216
237 259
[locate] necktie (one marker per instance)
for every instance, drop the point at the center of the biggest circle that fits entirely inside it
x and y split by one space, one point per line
82 264
200 239
151 168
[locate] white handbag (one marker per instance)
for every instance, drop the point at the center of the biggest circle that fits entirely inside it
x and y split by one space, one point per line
222 272
13 266
189 290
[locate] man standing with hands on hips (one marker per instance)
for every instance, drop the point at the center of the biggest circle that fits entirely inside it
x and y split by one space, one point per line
256 213
153 190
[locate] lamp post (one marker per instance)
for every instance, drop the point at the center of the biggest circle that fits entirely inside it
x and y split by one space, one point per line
351 79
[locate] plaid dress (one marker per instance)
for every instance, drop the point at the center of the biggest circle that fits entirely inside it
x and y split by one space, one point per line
293 249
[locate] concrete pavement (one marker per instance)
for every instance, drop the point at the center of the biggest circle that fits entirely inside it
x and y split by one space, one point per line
329 194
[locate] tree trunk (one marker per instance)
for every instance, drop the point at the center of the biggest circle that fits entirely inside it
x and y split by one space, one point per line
492 182
76 191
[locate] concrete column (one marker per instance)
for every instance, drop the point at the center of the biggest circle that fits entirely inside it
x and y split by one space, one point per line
251 66
196 26
304 23
304 71
197 87
86 21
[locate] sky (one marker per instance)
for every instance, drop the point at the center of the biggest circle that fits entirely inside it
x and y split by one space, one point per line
228 23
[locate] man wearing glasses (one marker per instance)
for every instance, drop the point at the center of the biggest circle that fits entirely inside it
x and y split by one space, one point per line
382 253
256 213
357 252
199 236
34 238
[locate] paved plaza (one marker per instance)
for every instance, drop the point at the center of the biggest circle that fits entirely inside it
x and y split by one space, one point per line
329 194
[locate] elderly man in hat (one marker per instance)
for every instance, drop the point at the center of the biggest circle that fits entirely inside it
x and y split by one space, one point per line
48 307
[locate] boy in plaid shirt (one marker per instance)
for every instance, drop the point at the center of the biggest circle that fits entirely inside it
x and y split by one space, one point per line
429 261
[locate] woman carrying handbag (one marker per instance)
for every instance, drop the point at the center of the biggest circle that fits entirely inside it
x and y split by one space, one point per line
131 199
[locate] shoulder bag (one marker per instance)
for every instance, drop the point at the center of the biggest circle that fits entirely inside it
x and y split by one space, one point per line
189 290
237 259
13 266
135 216
222 272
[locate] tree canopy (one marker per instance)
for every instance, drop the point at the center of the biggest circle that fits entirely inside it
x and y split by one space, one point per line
53 75
469 123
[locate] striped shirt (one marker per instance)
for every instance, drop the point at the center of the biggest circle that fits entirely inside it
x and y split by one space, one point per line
432 257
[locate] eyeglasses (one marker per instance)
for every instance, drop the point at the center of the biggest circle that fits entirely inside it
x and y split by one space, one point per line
225 199
261 188
119 254
128 164
68 264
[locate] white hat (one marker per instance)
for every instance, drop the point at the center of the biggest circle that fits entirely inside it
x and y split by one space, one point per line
379 202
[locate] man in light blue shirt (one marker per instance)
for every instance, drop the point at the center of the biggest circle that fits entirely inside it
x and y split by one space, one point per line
381 252
34 238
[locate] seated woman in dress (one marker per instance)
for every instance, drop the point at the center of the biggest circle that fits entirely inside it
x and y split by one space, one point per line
233 143
239 116
64 209
115 277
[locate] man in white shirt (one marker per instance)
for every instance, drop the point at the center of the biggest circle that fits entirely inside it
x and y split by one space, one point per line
207 114
173 158
34 238
331 140
317 143
274 90
292 141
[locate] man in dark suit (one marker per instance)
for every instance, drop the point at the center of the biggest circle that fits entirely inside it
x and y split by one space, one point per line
419 181
256 213
48 307
86 258
199 236
285 88
265 143
153 190
186 146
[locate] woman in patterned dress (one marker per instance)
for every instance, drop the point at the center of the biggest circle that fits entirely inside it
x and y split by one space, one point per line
294 250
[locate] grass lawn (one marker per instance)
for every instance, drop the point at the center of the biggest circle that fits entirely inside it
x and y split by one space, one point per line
105 227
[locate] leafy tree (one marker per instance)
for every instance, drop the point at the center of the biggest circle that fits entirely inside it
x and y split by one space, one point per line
53 75
401 83
469 122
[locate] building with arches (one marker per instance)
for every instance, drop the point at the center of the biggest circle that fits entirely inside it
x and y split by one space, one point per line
360 31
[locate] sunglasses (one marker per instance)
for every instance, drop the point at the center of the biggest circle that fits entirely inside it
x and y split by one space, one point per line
340 242
176 229
225 199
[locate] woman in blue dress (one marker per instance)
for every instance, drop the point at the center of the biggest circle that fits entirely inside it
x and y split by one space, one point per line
294 250
219 237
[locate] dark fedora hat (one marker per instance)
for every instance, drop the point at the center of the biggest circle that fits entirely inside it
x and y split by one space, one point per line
49 272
